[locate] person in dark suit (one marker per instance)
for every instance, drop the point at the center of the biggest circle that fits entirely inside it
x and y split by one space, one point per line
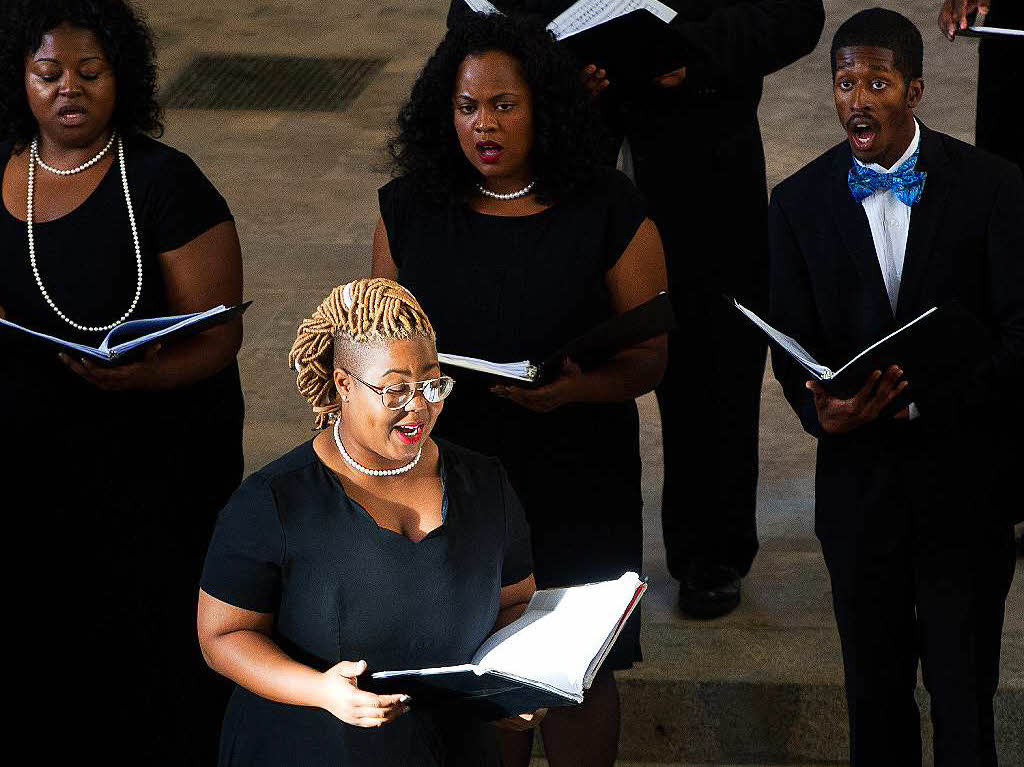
697 157
910 508
998 70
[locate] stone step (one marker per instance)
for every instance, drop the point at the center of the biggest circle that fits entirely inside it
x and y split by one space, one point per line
541 762
764 685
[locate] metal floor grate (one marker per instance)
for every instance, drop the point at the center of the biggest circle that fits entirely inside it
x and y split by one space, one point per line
270 83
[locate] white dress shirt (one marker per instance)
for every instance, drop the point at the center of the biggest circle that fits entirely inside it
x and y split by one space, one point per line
890 224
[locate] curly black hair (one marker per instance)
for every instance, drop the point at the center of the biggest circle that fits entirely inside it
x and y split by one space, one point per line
125 38
567 141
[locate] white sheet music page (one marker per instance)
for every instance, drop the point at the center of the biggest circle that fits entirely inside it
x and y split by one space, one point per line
481 6
790 344
561 631
590 13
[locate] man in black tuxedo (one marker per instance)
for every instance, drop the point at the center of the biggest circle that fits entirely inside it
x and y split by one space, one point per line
697 156
911 506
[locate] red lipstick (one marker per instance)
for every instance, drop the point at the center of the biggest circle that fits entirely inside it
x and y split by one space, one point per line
410 433
489 151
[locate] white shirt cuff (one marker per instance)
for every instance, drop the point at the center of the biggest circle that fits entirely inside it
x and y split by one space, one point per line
912 411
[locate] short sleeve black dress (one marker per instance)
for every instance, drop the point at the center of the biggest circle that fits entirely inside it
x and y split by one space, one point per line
292 543
514 288
124 486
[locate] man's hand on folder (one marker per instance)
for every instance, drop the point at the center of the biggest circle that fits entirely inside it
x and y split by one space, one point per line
594 80
840 416
954 13
544 399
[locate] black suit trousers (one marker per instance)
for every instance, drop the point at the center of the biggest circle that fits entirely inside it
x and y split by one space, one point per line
912 582
701 168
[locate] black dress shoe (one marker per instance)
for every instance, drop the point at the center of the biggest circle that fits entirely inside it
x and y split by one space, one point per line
709 591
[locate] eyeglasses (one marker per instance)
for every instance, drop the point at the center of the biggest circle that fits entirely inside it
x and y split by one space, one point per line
396 396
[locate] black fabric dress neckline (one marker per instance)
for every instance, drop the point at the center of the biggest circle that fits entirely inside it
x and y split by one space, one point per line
387 532
110 171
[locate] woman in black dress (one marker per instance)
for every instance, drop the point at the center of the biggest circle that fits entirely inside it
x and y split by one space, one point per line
515 241
125 467
371 546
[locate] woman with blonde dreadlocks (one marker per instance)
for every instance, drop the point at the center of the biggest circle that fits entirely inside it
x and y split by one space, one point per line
370 546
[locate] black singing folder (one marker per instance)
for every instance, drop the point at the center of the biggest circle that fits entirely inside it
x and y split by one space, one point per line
939 345
648 320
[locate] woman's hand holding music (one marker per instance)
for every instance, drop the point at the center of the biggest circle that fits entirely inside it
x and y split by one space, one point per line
543 399
343 698
143 375
522 721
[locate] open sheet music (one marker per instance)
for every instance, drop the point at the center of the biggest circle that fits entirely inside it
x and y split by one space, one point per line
481 6
127 340
649 319
549 656
587 14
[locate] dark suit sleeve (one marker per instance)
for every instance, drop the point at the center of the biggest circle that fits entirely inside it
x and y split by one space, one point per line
994 388
792 311
738 41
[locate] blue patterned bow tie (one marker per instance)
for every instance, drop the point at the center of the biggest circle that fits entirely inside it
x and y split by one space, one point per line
905 182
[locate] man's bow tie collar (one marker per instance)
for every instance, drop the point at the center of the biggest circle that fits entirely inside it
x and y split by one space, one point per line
905 182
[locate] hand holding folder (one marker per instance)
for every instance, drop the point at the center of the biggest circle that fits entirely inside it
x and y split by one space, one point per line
629 39
129 340
874 401
940 345
641 323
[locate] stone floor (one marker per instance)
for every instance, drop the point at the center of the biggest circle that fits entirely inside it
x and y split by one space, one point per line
303 190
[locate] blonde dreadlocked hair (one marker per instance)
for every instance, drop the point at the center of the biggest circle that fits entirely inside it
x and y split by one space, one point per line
363 311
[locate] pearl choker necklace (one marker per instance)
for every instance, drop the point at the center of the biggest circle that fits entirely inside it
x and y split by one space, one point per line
360 468
510 196
32 161
80 168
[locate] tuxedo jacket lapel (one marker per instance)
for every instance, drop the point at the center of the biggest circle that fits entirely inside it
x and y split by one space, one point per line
925 220
855 232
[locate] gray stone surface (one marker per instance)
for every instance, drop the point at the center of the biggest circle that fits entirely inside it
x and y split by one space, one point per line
541 762
761 686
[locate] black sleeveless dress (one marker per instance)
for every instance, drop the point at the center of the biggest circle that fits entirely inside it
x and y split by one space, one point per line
109 498
513 288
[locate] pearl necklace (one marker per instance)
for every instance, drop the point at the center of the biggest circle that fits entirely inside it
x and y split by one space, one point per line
35 158
510 196
360 468
80 168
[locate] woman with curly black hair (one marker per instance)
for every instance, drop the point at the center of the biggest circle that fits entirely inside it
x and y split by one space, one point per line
515 240
126 466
